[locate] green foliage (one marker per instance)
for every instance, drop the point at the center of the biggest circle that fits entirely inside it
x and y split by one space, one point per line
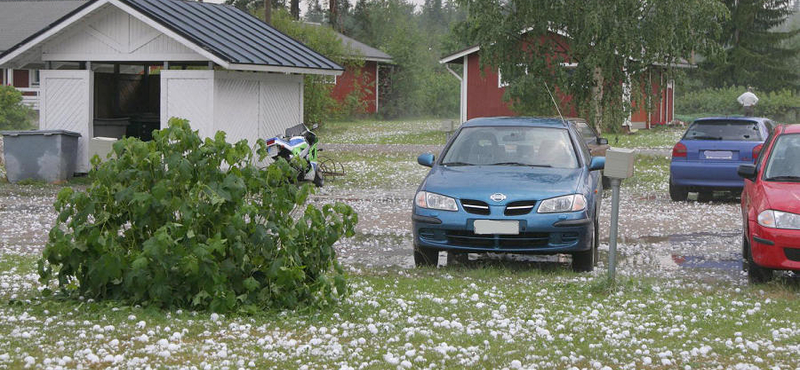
776 104
756 54
181 222
318 103
608 40
13 114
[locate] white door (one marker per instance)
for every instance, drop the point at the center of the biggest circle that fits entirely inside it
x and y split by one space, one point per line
67 102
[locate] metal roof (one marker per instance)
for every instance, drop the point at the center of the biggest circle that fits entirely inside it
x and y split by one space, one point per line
22 18
230 37
363 50
232 34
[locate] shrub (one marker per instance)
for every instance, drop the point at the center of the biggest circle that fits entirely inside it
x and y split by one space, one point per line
13 114
181 222
774 104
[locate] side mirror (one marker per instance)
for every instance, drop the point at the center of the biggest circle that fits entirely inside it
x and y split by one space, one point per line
598 163
426 159
747 171
602 141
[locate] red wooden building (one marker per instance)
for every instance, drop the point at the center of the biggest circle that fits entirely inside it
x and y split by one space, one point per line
368 77
482 92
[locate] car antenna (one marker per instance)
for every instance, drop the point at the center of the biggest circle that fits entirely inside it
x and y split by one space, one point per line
554 103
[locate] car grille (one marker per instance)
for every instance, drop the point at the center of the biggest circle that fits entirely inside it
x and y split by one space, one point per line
520 208
523 240
792 253
475 206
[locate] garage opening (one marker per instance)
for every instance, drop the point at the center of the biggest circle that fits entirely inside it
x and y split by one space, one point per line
126 100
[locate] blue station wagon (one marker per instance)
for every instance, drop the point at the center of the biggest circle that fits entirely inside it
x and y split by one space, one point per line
512 185
711 150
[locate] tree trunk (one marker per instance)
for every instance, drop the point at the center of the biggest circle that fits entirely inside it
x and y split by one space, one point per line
332 11
295 9
268 11
597 97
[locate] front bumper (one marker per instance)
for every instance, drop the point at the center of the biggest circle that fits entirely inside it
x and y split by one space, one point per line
538 233
775 248
709 175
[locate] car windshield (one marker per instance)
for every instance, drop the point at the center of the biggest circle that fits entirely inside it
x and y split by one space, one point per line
729 130
784 161
584 129
512 146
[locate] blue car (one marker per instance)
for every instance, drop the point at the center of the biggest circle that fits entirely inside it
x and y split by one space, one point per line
510 184
711 150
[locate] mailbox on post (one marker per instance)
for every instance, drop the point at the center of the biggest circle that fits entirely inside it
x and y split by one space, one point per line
619 165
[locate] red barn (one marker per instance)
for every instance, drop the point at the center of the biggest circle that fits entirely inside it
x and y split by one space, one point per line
368 77
482 92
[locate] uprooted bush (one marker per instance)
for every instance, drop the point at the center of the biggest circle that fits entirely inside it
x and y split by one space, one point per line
182 222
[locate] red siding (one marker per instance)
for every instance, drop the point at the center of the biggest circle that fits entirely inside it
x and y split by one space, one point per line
345 84
484 97
21 78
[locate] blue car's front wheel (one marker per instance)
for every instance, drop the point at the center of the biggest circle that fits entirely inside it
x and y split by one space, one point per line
584 261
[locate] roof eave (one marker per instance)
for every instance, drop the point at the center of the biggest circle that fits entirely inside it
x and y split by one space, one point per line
454 58
282 69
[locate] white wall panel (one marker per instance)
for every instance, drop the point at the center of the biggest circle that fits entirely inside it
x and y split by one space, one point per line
112 34
189 94
236 110
280 105
67 104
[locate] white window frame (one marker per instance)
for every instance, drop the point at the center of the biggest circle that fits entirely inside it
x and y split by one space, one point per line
34 78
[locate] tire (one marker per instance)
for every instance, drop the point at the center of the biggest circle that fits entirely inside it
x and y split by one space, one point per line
425 257
678 193
586 260
318 179
705 196
755 273
456 258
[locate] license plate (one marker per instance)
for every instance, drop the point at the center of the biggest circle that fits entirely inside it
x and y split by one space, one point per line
718 154
496 227
272 151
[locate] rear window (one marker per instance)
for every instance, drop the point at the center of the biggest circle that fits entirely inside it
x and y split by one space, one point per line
728 130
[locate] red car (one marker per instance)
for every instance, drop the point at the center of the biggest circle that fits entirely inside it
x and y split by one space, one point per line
771 206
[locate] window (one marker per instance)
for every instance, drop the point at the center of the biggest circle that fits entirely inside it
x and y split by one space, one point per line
33 77
500 83
506 145
328 79
733 130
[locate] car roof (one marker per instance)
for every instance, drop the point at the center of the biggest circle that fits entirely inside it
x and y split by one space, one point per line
791 129
516 121
733 118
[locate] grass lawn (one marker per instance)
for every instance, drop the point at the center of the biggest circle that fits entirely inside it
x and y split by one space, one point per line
658 137
423 131
490 317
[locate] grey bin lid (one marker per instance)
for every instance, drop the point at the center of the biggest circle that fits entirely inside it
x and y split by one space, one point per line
40 133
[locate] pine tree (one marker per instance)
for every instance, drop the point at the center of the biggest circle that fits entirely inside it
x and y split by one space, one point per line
756 53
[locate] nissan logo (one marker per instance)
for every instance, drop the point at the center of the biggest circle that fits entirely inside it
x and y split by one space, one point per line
498 197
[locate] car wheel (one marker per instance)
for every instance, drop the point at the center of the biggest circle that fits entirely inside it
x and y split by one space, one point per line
705 196
678 193
584 261
755 273
456 258
425 257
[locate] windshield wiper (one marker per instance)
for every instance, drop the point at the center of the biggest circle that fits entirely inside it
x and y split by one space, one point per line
458 164
789 178
706 137
519 164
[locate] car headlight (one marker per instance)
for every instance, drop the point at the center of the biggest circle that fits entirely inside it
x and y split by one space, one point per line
425 199
567 203
779 220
